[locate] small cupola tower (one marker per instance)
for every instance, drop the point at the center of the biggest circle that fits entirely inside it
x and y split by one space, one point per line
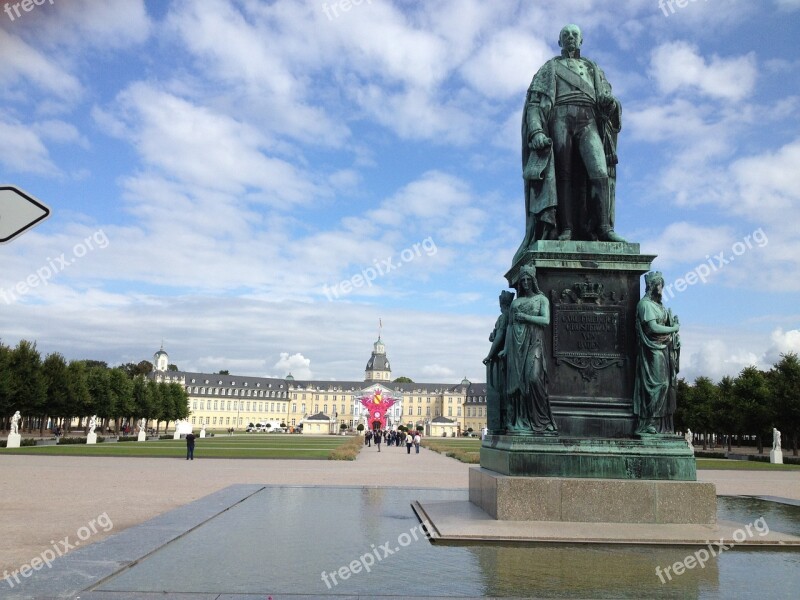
160 360
378 368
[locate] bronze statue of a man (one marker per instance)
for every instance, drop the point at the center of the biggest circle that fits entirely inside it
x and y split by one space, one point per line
657 360
569 133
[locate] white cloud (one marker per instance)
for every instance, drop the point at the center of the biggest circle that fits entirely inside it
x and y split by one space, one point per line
684 242
21 61
679 66
296 364
24 151
200 146
438 372
783 342
504 65
715 358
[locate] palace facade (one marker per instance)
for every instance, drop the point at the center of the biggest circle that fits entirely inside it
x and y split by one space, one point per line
233 401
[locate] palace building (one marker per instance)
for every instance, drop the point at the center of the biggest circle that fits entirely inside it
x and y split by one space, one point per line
234 401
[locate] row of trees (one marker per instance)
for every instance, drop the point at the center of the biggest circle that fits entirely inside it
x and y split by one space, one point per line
751 403
52 392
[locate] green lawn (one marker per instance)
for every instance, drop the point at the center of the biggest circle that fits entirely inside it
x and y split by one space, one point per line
741 465
223 446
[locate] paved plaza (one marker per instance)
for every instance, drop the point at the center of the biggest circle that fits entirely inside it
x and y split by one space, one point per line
52 498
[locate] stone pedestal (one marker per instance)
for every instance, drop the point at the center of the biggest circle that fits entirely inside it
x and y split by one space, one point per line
650 457
202 433
776 457
590 344
91 438
592 500
176 435
14 440
142 436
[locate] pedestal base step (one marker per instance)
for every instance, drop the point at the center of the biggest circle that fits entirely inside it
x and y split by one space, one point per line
594 500
460 522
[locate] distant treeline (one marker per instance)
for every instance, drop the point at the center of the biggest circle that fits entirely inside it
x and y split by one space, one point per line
750 404
53 392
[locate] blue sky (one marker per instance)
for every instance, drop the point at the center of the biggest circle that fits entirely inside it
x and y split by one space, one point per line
217 169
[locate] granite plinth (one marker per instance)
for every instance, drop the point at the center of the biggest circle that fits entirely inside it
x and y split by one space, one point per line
14 440
562 499
776 457
654 457
91 438
142 437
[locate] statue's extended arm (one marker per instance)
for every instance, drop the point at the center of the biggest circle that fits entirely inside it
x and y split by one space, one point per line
498 342
537 114
654 327
542 319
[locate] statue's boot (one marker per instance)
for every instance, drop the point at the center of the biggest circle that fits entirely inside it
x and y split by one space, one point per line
564 209
601 193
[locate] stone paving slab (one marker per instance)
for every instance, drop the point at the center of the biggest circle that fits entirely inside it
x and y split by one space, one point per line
84 567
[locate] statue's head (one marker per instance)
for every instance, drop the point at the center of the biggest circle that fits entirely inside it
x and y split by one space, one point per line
526 280
506 298
570 39
652 281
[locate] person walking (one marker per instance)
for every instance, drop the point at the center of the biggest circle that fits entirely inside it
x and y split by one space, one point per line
190 446
378 440
417 440
368 439
409 442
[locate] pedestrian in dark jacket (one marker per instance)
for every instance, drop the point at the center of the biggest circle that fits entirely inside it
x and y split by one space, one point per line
190 446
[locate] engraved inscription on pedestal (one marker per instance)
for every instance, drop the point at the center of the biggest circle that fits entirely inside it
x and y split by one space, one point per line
588 328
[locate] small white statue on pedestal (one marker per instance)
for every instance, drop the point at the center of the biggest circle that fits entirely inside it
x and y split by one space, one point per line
776 454
203 431
14 438
15 422
91 437
142 432
690 439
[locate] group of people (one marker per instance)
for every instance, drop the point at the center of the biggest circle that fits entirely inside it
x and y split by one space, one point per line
393 438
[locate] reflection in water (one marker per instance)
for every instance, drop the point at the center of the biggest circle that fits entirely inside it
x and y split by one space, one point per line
590 571
281 539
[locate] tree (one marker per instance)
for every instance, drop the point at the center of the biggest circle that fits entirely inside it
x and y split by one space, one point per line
142 398
56 378
360 427
27 390
121 391
79 399
784 381
98 380
403 380
224 372
752 394
725 413
171 367
142 368
5 384
180 400
704 395
88 363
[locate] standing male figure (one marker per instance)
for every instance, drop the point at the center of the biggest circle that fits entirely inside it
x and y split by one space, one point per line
569 135
190 437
